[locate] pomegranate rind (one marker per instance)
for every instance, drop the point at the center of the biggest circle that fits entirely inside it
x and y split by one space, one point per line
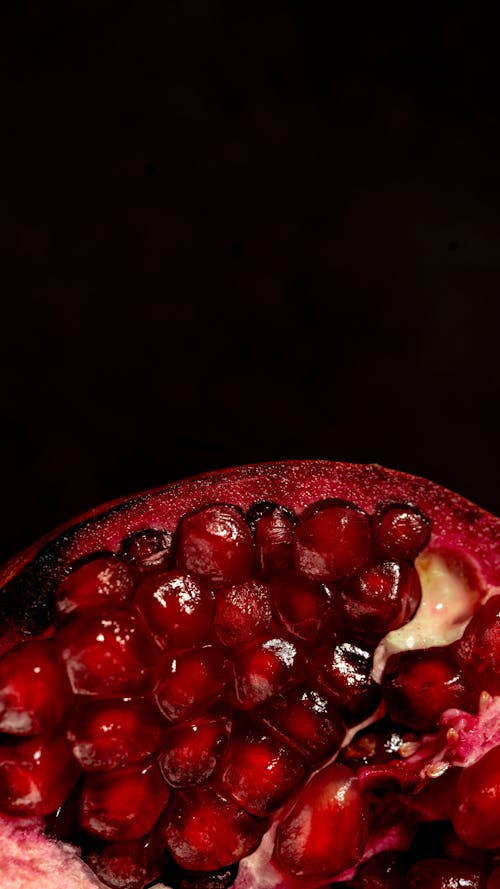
29 860
28 581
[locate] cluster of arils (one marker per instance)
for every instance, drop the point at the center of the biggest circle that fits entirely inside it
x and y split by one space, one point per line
203 685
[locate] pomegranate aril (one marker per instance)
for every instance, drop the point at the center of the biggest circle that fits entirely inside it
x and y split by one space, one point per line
420 684
101 582
108 734
400 531
148 550
123 804
325 832
344 674
243 612
259 772
435 873
62 823
177 608
478 651
382 597
332 540
106 655
308 720
476 817
264 669
36 776
34 690
189 682
215 543
205 831
273 528
308 609
453 847
191 751
384 871
494 879
127 865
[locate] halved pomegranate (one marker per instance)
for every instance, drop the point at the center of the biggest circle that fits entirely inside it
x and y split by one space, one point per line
273 677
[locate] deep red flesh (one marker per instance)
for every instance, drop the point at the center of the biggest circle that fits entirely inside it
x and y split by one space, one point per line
418 686
108 734
400 531
123 804
207 667
34 689
381 597
476 817
102 582
384 871
177 608
326 830
479 648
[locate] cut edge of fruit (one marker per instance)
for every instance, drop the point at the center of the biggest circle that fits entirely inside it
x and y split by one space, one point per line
461 583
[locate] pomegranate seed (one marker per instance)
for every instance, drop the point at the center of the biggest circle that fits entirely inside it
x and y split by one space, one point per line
384 871
264 669
478 650
177 609
103 581
382 597
36 776
191 751
148 550
105 655
129 865
259 772
453 847
205 831
325 832
435 873
345 676
308 609
419 685
332 540
273 528
242 612
123 804
34 690
378 743
107 734
494 879
476 818
189 682
215 543
62 823
400 531
308 721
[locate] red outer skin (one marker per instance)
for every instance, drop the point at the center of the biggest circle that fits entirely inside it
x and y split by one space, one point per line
457 524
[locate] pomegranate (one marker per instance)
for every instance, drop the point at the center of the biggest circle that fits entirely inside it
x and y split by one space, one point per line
273 677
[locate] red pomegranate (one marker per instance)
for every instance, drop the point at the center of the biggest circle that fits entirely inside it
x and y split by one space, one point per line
272 677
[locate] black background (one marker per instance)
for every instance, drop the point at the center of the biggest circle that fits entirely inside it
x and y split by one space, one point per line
234 232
